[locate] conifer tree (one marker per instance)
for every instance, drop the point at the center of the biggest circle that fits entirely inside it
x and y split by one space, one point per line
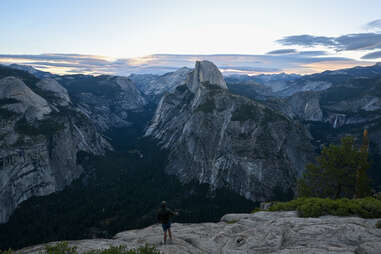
340 171
362 188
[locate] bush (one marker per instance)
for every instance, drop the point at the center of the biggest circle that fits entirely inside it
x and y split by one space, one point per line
7 252
63 248
123 250
257 210
315 207
60 248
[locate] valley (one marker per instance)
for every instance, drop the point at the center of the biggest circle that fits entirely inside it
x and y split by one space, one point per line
89 156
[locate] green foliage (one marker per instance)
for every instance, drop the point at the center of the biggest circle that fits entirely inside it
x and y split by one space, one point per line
377 196
120 192
315 207
9 251
245 112
258 210
336 172
7 101
63 248
25 76
102 86
232 221
272 116
207 107
6 114
45 127
60 248
123 250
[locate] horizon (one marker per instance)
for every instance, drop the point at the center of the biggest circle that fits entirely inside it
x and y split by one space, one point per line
245 37
224 73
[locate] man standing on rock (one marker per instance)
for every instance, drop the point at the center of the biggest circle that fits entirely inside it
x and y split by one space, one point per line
164 217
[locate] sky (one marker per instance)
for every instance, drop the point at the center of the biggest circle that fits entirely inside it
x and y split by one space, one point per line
147 36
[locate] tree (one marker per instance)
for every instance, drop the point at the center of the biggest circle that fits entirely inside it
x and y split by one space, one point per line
340 172
362 188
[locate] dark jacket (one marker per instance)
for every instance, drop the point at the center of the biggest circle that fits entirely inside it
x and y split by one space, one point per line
164 215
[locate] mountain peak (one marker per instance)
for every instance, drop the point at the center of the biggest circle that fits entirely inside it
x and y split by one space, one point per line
205 71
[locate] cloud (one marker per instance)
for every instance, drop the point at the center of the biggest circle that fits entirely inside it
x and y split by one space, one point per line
281 51
373 55
294 61
375 24
359 41
313 53
306 40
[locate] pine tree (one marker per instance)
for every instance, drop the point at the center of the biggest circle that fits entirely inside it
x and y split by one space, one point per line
340 171
362 188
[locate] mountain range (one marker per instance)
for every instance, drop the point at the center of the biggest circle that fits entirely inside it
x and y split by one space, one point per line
96 154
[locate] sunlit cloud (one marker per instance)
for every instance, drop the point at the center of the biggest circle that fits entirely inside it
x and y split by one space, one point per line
331 65
302 62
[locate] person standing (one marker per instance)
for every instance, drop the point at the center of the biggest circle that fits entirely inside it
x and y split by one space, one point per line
164 216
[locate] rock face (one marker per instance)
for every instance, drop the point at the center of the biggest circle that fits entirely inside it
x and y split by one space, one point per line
33 71
56 90
262 232
107 100
203 72
306 106
155 85
41 141
23 98
229 141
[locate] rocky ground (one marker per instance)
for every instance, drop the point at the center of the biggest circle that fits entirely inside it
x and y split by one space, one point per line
262 232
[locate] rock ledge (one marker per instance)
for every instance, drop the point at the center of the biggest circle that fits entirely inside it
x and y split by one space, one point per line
262 232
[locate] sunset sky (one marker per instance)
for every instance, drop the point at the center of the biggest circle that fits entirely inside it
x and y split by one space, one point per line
123 37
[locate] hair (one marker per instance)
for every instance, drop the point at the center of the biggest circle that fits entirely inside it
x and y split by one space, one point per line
163 204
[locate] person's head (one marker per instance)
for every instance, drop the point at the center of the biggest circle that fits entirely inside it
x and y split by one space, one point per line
163 204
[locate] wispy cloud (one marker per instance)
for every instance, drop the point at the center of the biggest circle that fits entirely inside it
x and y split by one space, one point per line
375 24
281 51
360 41
280 61
373 55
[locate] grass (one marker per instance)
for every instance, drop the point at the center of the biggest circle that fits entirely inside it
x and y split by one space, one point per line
314 207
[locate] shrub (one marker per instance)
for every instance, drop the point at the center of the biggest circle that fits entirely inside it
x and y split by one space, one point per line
315 207
7 252
123 250
60 248
257 210
63 248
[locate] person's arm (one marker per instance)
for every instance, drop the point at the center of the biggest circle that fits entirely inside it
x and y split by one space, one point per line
173 213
